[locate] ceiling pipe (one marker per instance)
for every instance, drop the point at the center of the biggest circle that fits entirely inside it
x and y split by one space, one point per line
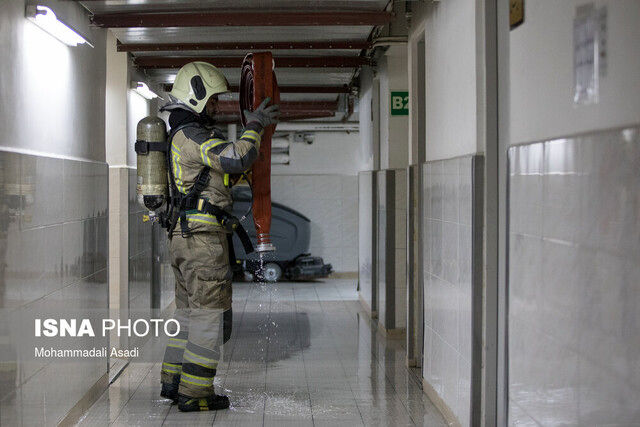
217 18
389 41
284 117
151 62
290 89
320 126
244 46
286 107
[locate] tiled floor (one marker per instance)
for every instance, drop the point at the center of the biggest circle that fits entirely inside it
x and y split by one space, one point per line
301 354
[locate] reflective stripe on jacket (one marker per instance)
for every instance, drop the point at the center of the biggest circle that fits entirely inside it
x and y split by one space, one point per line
194 147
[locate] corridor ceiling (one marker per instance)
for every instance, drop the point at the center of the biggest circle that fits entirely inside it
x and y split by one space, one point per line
318 45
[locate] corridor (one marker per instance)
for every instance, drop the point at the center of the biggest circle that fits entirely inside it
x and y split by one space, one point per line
301 354
428 210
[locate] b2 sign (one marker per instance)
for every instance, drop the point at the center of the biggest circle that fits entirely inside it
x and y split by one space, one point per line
399 103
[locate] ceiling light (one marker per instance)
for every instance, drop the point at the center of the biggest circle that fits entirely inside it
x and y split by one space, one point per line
143 90
46 19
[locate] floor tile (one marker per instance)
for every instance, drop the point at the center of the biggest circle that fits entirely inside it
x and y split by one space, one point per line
301 354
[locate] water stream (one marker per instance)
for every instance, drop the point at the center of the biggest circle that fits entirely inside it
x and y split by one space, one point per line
260 321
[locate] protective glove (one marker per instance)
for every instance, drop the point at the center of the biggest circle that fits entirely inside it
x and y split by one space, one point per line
264 115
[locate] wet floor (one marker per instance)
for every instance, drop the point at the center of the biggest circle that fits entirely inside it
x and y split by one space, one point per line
300 354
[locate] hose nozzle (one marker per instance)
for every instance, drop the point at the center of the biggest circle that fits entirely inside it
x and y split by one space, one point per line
264 243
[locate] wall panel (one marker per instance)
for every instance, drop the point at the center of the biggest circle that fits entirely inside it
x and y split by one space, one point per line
574 279
331 203
452 225
367 239
53 254
392 249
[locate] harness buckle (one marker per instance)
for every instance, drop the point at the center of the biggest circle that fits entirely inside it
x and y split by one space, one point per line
141 147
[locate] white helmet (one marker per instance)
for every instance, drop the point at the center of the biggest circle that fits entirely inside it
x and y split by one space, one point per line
196 82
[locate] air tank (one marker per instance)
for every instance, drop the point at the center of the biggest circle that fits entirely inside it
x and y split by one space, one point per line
151 147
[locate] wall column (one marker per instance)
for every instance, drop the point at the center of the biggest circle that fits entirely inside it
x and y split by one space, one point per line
116 154
392 189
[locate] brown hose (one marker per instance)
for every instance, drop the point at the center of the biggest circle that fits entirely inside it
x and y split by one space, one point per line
257 82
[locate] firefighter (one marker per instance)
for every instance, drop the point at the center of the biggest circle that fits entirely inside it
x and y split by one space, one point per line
201 162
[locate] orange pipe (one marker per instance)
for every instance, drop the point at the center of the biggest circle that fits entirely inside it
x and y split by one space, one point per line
258 81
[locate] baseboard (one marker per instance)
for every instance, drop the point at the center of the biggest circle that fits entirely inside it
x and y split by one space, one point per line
344 275
116 367
395 333
444 409
372 314
83 405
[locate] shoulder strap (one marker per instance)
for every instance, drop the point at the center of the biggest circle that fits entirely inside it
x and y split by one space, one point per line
177 129
176 199
202 180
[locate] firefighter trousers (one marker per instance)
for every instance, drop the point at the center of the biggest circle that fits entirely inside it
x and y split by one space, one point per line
203 275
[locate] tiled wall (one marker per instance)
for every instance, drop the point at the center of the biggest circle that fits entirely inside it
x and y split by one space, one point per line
53 244
331 203
162 262
141 253
574 280
449 221
367 245
392 252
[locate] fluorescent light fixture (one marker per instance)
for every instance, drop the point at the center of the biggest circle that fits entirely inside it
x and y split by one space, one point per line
143 90
46 19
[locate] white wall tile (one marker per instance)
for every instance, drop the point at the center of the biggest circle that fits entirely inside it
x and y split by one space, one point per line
463 390
574 283
447 269
437 371
55 242
350 258
366 260
331 203
349 186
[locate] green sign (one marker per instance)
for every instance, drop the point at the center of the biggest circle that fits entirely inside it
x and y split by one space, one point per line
399 103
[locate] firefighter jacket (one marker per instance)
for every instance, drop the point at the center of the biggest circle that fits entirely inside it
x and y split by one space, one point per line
196 146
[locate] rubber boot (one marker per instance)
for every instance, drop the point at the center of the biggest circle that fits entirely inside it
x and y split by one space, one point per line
170 390
209 403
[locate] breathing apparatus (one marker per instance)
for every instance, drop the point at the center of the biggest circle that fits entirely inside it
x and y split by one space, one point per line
195 83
